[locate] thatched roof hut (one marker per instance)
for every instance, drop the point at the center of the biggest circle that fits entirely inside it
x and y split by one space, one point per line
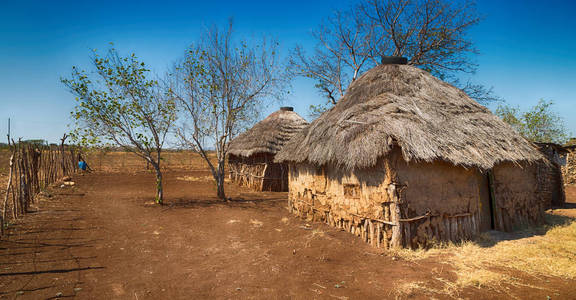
251 154
403 159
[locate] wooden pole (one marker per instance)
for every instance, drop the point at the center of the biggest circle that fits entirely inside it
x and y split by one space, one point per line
396 241
8 186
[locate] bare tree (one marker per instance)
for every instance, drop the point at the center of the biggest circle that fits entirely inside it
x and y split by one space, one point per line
220 86
432 34
120 104
344 50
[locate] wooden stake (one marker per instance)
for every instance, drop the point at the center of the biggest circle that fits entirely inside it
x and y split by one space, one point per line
396 241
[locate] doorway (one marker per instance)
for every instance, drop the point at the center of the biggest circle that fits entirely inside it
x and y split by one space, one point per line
491 198
487 203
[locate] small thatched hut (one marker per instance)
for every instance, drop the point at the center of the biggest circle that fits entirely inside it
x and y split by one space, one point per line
251 154
405 158
550 174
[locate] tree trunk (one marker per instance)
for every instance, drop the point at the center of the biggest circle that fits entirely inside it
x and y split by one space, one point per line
159 190
220 181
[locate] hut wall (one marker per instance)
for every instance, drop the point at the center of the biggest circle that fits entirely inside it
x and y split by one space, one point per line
518 196
357 202
551 184
569 168
393 204
414 204
442 202
258 172
549 176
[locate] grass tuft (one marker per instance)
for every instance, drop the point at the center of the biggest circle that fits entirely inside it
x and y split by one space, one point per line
487 262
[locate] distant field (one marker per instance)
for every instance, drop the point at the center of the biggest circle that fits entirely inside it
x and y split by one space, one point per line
125 161
4 162
118 161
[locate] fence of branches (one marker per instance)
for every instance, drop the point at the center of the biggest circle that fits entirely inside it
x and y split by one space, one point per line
32 169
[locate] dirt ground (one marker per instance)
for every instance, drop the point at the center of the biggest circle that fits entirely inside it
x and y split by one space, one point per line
105 239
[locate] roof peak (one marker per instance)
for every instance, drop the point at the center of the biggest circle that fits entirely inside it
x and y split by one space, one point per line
394 60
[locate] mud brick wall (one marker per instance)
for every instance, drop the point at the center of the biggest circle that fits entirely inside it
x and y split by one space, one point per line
394 204
519 200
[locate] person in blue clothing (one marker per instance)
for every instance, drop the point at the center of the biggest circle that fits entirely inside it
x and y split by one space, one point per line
82 165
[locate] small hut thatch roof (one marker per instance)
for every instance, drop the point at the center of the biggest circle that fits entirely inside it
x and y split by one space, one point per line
558 148
402 105
268 135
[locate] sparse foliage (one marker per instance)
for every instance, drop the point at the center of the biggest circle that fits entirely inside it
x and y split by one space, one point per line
432 34
119 103
220 86
539 124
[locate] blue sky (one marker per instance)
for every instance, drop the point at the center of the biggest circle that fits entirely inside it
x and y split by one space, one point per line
527 48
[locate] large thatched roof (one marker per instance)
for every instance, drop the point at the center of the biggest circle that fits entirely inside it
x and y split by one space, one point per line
268 135
402 105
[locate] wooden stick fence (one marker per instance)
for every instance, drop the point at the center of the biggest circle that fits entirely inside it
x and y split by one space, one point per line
32 169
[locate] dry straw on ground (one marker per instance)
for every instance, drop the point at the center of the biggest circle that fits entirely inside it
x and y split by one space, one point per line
489 261
195 178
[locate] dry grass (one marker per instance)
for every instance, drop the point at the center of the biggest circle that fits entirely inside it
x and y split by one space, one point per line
550 254
408 289
491 261
314 234
195 178
256 223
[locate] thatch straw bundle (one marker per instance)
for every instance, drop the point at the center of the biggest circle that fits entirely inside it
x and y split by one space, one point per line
402 105
268 135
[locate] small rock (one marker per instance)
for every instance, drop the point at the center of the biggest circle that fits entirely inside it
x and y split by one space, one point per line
238 289
77 289
19 293
59 294
62 186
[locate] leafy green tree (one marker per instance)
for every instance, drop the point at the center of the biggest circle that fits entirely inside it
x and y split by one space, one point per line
539 124
119 103
221 85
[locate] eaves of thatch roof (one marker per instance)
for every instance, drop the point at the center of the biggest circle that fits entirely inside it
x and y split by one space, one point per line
401 105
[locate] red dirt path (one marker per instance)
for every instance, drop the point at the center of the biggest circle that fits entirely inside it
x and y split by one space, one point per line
104 239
